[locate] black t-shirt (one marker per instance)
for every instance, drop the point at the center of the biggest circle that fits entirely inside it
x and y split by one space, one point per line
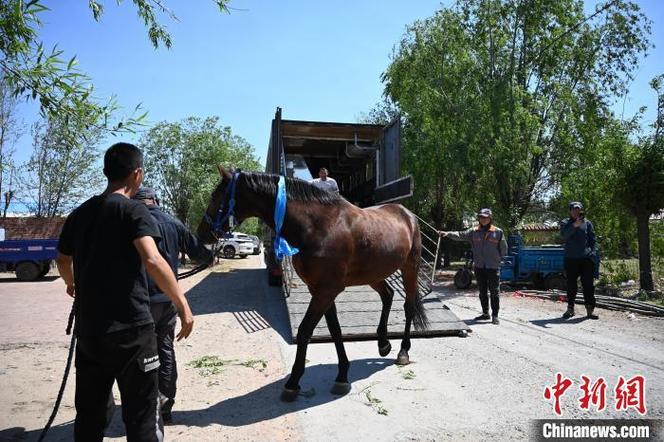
111 286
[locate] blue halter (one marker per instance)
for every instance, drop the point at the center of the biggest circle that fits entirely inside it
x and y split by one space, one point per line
218 223
281 246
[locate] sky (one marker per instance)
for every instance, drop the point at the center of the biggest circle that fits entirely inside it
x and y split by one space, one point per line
317 60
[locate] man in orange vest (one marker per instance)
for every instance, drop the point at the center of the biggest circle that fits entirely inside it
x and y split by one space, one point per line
489 247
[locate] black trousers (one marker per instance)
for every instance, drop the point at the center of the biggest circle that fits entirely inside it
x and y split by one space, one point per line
165 316
130 358
488 281
585 268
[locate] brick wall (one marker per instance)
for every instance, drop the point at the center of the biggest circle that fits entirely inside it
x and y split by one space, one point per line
32 227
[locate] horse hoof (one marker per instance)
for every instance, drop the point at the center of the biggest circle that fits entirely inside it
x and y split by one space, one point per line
385 349
402 358
289 395
340 388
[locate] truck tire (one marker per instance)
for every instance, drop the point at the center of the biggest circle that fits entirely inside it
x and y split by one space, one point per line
538 281
228 252
27 271
463 278
555 281
46 266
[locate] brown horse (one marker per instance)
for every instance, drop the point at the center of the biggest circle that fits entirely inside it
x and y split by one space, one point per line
340 245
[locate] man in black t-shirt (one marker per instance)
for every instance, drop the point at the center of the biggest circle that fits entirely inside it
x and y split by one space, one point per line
105 245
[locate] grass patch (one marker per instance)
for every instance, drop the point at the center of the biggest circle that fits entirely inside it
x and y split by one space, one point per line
374 402
210 365
254 363
408 375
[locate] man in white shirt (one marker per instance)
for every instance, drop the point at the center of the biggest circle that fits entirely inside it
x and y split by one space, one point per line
325 182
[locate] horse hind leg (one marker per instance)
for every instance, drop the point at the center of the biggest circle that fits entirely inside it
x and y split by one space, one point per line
386 295
414 309
341 384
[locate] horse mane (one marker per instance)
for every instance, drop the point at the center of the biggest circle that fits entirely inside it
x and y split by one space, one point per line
296 189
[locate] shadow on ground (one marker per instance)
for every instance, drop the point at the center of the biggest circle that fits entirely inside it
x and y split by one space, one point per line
256 406
246 294
11 277
62 432
264 403
559 320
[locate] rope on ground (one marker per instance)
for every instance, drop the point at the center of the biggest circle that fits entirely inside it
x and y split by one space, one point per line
63 384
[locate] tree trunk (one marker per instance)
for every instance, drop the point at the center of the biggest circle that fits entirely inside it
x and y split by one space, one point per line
645 268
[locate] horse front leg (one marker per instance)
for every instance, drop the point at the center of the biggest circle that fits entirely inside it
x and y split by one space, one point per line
341 384
319 304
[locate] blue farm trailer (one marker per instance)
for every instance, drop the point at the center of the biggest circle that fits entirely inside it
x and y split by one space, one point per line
542 266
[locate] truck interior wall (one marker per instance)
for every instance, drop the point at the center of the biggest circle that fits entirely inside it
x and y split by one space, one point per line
355 177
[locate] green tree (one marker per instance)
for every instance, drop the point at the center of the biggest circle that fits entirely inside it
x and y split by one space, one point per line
594 178
10 131
620 178
60 172
63 91
181 162
502 96
641 185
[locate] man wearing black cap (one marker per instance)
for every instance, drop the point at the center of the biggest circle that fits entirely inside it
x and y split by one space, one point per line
579 237
175 238
105 245
489 247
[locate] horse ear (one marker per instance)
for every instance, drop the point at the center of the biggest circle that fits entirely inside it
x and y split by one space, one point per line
223 173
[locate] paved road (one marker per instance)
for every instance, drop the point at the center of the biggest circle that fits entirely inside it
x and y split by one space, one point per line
488 386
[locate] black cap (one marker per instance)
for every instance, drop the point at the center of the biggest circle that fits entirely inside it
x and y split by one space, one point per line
575 205
145 193
485 213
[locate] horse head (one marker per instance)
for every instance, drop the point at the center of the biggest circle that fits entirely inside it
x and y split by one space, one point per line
221 208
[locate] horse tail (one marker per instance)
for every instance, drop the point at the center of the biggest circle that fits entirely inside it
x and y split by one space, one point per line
420 320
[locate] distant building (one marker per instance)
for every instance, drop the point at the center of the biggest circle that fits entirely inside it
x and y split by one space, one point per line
538 234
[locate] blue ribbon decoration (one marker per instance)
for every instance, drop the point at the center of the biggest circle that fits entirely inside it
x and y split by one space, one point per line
218 223
281 246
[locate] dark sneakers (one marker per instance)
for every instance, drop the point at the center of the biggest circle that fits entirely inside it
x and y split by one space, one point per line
486 317
166 405
590 314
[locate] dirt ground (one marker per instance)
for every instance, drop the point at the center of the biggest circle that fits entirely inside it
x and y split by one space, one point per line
488 386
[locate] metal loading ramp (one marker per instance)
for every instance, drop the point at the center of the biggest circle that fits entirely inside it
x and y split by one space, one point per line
359 307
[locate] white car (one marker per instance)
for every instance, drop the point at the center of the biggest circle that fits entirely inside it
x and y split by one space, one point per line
254 240
231 246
